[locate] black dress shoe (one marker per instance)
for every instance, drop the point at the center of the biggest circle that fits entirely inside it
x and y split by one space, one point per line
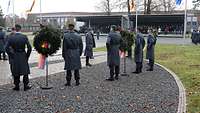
110 79
77 83
16 88
89 64
149 69
27 87
67 84
136 72
116 77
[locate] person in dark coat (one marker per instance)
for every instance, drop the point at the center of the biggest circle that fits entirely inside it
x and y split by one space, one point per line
2 44
98 34
90 44
7 38
151 41
113 58
71 52
194 37
16 49
138 51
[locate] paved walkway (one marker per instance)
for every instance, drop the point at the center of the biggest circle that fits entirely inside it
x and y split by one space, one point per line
149 92
56 63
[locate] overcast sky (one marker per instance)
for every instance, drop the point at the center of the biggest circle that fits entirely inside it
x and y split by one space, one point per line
57 6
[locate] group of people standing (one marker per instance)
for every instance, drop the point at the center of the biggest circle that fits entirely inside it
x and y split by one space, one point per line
72 49
113 44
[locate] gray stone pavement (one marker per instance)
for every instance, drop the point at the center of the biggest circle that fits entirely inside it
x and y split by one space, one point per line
58 66
148 92
54 67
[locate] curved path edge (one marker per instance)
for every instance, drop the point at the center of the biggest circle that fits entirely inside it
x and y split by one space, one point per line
182 93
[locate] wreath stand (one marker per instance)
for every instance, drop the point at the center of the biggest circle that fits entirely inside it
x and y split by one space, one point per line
46 87
124 69
46 42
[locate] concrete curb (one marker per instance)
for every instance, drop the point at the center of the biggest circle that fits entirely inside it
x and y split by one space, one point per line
182 93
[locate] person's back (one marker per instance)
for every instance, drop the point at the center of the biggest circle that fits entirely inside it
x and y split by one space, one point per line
89 45
16 49
138 52
2 44
150 51
115 38
18 42
113 58
72 40
71 52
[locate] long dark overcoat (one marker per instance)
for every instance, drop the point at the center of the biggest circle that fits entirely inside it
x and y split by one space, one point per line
15 48
72 50
139 45
113 44
90 43
150 47
2 41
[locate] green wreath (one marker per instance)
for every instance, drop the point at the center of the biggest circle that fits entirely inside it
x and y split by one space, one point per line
127 40
47 41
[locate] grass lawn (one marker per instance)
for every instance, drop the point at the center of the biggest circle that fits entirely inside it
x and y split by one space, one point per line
185 62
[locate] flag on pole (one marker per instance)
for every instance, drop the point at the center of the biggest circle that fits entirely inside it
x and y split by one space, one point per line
31 6
41 61
178 2
132 5
8 5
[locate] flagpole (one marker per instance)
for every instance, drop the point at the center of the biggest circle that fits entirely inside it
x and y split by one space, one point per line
13 12
136 16
185 20
129 13
40 11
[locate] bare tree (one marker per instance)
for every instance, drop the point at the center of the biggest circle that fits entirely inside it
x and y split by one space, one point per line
158 5
145 5
196 4
106 6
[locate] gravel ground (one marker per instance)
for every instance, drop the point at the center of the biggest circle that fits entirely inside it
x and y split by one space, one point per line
149 92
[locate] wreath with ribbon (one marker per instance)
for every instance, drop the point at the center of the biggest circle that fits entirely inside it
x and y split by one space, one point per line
47 41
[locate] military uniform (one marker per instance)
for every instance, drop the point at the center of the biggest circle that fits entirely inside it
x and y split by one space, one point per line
71 52
15 48
98 34
113 59
90 43
138 52
151 41
2 45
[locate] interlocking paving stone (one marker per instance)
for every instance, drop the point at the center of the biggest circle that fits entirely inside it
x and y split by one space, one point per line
149 92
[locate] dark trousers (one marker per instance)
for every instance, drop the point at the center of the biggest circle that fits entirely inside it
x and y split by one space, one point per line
114 70
17 80
151 63
4 55
69 75
87 59
139 66
130 53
